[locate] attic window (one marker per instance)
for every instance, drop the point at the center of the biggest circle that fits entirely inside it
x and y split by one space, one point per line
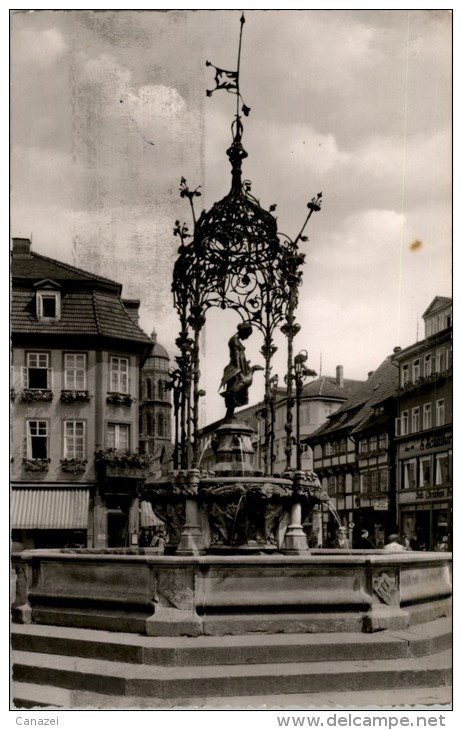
48 305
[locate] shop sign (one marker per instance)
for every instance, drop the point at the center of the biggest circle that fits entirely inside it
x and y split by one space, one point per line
380 504
441 493
435 441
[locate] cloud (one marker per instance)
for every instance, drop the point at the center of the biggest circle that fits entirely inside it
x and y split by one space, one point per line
38 48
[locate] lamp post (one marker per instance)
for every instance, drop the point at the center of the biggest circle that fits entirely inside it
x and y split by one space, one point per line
301 372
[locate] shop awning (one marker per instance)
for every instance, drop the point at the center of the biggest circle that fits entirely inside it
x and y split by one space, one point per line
49 509
147 516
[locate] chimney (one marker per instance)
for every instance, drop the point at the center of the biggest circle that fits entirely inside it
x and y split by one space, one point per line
132 308
396 349
339 376
371 372
21 247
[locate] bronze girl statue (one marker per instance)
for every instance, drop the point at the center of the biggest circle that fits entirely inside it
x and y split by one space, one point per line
238 374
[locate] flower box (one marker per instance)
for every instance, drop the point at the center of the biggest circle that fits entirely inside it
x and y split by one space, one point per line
119 463
74 466
32 395
75 396
119 399
36 465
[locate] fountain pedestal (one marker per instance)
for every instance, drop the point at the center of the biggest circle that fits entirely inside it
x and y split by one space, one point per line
192 539
232 446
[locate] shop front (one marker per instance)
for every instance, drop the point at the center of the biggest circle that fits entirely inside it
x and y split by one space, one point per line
425 495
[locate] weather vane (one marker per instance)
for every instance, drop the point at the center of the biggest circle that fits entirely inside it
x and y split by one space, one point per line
229 80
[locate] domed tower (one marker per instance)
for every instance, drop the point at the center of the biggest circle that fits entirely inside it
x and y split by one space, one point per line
155 401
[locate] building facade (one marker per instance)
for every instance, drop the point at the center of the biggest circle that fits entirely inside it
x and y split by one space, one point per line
385 456
156 407
318 400
424 431
353 457
75 362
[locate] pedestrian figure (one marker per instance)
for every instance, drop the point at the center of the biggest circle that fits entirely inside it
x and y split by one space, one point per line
364 542
393 544
341 541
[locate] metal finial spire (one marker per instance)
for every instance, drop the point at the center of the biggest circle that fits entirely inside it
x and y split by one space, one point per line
229 80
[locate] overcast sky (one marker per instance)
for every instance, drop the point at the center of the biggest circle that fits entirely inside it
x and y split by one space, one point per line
109 111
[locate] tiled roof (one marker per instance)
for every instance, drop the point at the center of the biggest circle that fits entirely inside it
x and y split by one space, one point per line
37 267
358 409
326 387
84 312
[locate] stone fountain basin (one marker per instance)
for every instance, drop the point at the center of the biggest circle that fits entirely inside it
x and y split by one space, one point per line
214 594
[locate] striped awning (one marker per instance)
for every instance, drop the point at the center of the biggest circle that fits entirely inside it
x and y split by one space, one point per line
147 516
49 509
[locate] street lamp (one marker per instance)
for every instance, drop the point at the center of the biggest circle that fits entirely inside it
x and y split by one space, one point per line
301 372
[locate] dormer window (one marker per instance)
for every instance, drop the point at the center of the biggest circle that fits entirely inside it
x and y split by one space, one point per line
48 301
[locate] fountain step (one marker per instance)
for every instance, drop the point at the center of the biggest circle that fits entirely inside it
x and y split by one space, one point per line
216 624
168 683
28 695
419 640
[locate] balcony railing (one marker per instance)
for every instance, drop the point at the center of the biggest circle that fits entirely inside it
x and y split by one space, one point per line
120 463
424 382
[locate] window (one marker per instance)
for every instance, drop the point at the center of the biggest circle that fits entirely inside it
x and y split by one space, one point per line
415 370
373 443
48 305
118 436
304 414
342 445
427 415
427 365
383 441
160 425
440 412
383 480
148 389
364 446
119 375
365 482
404 423
75 371
440 361
409 474
404 375
328 449
415 421
443 473
37 374
37 440
425 471
74 439
341 484
374 481
160 390
449 358
148 424
331 486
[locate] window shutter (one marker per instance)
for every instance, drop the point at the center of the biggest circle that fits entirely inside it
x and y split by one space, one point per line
24 446
397 426
24 376
50 378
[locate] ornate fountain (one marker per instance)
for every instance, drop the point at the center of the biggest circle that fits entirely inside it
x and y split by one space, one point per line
235 258
230 554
